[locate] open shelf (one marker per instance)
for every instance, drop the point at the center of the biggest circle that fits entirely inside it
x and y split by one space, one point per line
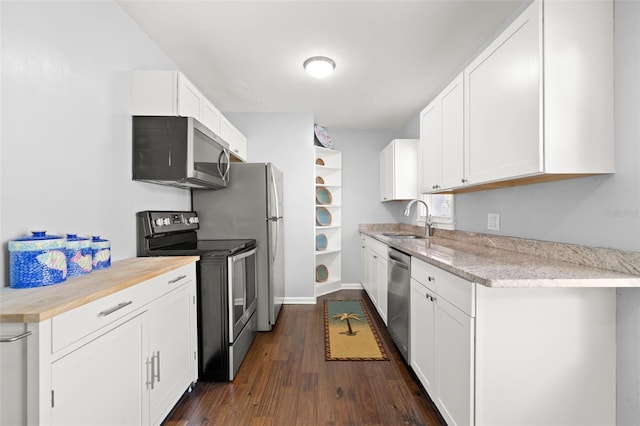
331 256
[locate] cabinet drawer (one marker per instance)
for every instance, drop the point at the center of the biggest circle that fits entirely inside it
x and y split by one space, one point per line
84 320
421 272
378 247
457 291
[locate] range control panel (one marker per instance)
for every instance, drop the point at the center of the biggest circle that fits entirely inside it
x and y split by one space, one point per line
162 222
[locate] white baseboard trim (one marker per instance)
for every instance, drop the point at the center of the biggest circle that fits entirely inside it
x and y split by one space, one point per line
299 301
351 286
312 300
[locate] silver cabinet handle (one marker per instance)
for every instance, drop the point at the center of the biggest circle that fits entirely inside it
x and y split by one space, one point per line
149 363
14 338
431 279
115 308
175 280
157 374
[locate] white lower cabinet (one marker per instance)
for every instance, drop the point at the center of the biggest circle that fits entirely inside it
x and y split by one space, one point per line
513 356
99 383
171 351
423 335
454 363
122 359
373 267
442 341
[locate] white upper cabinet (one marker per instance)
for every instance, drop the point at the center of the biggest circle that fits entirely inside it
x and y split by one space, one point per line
236 140
211 117
442 140
160 92
190 100
399 170
539 99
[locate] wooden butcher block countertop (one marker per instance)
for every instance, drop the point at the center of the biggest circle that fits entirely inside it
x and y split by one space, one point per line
41 303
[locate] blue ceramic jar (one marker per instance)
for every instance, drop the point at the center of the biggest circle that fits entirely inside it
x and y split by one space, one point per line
79 256
101 251
37 260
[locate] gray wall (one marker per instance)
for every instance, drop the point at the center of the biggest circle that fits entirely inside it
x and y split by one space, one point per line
360 190
65 124
286 140
601 211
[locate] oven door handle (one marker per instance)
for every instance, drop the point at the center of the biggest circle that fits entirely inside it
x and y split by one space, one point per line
242 255
230 261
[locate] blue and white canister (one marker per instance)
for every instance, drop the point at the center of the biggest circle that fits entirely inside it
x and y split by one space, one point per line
37 260
101 251
79 256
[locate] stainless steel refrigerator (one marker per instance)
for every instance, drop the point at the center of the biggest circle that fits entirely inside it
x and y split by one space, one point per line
250 207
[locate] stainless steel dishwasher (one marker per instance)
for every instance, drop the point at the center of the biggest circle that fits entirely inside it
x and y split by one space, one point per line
398 279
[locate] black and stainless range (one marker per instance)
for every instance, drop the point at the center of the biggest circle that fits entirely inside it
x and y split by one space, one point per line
226 283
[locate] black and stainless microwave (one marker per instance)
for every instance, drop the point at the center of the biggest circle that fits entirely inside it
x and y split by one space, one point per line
179 151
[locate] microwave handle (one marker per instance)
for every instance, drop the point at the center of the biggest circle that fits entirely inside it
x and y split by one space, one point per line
225 174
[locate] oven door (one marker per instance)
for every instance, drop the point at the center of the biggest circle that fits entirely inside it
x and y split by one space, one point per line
243 290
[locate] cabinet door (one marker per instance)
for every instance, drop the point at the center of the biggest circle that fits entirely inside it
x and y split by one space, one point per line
430 147
210 116
370 276
171 350
363 264
422 336
236 140
386 173
455 354
452 142
101 383
503 104
189 99
381 285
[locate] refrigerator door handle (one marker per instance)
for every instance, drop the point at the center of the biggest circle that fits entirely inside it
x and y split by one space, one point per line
274 189
275 246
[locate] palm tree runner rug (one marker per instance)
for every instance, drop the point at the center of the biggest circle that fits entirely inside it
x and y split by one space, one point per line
348 334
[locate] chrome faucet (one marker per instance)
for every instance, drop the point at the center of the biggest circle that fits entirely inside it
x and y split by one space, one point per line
428 224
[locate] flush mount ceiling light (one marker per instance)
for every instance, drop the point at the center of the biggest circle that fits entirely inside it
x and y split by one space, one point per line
319 66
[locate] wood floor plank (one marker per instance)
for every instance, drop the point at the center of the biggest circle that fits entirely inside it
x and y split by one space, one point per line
285 380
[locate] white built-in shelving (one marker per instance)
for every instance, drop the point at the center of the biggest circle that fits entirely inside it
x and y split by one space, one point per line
329 175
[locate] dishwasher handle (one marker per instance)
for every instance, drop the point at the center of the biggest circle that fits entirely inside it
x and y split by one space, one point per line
397 264
399 257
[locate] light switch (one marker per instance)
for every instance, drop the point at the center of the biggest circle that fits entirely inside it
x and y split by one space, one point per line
493 222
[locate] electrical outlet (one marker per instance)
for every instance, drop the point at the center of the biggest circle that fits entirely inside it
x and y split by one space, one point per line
493 222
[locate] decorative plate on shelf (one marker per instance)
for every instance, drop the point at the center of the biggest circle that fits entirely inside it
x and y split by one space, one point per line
320 162
323 216
321 242
323 196
322 273
322 137
319 180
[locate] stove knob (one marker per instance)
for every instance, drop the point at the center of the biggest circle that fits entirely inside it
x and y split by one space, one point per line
193 220
196 219
167 221
159 221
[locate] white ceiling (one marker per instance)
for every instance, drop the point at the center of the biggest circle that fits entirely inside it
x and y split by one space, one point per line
392 57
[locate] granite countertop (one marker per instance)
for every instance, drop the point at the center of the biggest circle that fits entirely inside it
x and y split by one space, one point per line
487 261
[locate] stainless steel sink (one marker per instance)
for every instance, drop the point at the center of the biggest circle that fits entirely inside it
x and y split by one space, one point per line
403 236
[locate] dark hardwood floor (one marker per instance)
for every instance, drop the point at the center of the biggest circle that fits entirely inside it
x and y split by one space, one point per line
285 380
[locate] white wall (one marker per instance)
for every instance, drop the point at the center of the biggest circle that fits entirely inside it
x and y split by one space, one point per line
66 128
601 211
286 140
360 190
